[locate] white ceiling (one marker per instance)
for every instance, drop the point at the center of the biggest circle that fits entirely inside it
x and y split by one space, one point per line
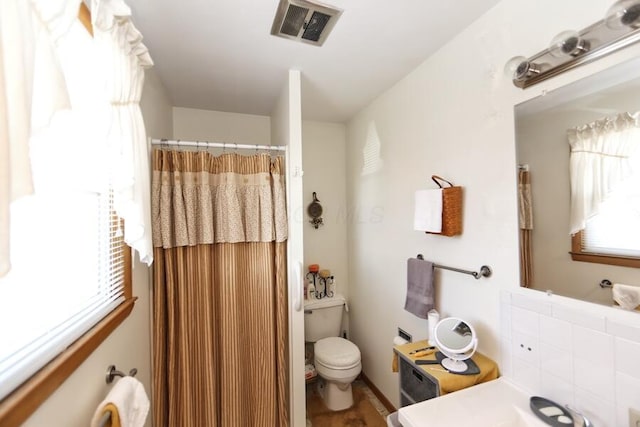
219 55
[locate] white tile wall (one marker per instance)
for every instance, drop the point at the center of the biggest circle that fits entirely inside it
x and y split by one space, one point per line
628 357
628 395
556 361
574 353
556 332
556 389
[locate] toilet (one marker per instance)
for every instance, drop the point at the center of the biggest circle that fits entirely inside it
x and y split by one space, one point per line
337 360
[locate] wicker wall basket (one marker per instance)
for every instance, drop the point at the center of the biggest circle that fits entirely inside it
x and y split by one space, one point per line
451 208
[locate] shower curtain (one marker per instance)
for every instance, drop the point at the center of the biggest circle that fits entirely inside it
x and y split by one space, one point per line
220 344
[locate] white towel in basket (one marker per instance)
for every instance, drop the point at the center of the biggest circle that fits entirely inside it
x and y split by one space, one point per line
428 211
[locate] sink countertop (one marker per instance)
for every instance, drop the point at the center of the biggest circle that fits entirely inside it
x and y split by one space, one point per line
497 403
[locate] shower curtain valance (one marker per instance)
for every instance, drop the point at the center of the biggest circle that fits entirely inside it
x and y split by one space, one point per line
198 198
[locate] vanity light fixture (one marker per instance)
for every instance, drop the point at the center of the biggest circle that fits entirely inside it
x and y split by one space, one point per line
521 68
570 49
624 13
568 43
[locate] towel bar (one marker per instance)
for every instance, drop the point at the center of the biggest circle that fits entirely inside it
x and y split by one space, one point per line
485 270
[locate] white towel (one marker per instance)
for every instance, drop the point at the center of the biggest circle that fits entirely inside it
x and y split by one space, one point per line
428 211
129 397
626 295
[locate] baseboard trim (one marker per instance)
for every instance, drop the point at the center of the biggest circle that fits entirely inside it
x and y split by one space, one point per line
381 397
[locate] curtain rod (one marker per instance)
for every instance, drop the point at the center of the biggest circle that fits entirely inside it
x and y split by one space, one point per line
207 144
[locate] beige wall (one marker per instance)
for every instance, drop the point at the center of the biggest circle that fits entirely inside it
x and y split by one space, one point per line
286 130
74 403
192 124
452 116
324 156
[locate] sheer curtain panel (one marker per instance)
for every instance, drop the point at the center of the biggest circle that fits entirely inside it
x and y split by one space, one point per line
600 153
125 59
73 161
32 89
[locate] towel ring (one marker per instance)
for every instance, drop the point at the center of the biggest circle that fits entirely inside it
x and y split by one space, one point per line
112 373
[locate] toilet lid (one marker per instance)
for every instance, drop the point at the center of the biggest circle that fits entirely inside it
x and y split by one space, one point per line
335 352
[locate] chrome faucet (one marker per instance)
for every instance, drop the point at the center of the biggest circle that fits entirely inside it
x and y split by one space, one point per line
579 420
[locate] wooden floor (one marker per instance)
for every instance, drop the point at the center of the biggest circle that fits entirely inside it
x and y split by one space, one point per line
367 410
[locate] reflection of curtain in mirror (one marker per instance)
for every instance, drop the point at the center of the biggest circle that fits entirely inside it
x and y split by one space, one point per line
600 153
525 221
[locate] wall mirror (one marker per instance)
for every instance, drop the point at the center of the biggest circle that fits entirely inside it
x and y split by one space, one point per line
542 148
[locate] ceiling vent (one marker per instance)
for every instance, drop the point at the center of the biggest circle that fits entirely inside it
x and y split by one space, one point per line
305 21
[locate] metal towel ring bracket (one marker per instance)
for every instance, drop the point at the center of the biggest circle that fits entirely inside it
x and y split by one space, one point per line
112 373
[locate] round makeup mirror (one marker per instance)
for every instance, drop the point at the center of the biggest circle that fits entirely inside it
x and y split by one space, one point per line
457 340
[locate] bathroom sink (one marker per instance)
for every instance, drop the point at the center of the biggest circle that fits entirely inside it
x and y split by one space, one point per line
497 403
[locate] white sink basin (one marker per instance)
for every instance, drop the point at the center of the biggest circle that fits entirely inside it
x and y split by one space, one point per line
494 404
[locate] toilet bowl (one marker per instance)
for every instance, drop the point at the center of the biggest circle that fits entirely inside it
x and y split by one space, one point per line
337 362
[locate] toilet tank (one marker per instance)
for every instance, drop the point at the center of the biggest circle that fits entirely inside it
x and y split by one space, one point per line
323 318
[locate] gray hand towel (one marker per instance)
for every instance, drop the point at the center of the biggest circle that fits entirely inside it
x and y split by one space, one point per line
420 291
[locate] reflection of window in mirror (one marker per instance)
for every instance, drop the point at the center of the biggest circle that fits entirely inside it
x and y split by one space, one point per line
612 235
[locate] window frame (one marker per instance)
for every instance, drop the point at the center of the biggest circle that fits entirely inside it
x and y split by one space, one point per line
25 400
578 254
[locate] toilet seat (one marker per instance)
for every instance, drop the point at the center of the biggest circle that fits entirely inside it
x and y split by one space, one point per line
336 353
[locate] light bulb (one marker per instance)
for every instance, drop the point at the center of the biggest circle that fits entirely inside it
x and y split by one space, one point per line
568 43
513 67
623 13
520 68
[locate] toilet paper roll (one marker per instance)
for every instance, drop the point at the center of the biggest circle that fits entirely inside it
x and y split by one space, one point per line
399 341
433 318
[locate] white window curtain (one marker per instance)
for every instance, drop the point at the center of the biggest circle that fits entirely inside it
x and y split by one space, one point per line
30 76
125 59
600 153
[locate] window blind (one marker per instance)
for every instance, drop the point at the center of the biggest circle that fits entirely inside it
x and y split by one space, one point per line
615 230
42 309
